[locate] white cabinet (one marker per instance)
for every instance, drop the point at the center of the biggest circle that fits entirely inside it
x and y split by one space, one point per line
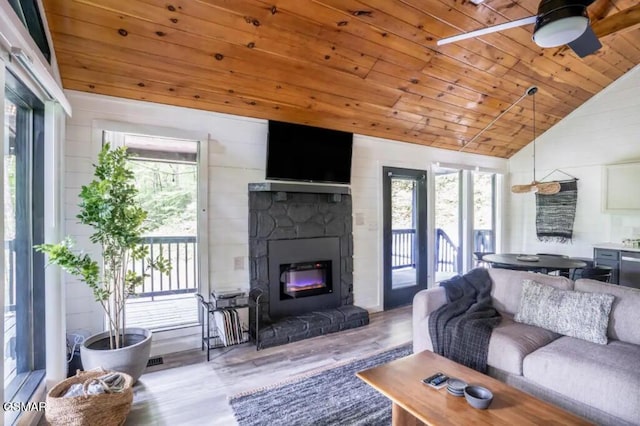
621 188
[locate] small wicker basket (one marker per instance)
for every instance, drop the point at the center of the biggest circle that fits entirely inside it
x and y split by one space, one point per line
107 409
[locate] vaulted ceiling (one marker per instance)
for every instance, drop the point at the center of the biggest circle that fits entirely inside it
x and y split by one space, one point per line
365 66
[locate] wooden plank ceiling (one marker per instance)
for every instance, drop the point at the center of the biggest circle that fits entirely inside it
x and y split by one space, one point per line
365 66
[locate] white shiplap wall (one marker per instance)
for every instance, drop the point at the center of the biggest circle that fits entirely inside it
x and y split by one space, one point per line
605 130
237 155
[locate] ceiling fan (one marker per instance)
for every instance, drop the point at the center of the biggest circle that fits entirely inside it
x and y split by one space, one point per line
561 22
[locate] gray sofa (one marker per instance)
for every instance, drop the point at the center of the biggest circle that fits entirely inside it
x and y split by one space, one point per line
598 382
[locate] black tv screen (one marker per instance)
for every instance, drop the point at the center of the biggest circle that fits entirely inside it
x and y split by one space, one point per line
305 153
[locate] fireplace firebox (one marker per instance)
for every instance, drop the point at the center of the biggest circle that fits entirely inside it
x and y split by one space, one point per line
305 279
302 273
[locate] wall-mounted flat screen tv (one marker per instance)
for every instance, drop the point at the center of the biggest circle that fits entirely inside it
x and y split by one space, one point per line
306 153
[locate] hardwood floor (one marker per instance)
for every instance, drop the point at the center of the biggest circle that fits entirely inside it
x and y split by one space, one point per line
188 390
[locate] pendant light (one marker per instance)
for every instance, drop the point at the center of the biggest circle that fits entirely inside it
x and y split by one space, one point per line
546 188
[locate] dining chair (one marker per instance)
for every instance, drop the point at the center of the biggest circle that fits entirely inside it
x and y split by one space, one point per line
600 273
478 255
562 272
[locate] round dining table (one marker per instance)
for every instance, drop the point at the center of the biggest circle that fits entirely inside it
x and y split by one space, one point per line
539 262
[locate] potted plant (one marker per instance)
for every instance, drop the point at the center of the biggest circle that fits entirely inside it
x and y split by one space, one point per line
109 205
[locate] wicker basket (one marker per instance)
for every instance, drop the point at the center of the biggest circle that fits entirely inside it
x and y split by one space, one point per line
107 409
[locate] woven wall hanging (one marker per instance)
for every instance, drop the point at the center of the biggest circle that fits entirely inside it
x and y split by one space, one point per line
555 213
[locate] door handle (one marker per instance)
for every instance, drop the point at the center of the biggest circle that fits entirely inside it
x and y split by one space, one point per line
631 259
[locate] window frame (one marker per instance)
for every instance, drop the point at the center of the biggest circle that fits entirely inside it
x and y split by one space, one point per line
30 263
166 341
28 12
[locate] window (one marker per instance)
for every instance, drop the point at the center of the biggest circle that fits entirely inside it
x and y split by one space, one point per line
484 212
29 14
448 222
24 336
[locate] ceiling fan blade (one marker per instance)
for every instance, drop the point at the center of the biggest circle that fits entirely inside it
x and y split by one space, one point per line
625 19
488 30
586 44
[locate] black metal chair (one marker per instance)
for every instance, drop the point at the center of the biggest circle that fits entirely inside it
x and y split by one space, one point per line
562 272
600 273
478 255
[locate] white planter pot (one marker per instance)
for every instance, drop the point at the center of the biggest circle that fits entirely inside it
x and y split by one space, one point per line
131 359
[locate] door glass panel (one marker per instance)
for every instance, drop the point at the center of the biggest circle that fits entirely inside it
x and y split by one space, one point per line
447 223
10 331
403 232
166 179
483 214
23 210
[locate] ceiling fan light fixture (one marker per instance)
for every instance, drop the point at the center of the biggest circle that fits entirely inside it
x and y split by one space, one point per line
560 22
560 32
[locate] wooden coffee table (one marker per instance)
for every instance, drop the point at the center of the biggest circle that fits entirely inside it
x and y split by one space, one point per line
414 403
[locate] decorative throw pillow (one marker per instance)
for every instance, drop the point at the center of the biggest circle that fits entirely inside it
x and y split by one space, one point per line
572 313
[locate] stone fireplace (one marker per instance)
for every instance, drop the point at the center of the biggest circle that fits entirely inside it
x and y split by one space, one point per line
301 261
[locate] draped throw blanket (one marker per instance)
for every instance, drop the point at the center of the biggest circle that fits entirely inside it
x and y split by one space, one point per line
555 213
460 330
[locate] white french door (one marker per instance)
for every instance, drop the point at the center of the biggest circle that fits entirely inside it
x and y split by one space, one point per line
466 215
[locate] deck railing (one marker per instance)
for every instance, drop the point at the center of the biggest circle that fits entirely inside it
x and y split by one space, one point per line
182 253
446 252
402 248
483 240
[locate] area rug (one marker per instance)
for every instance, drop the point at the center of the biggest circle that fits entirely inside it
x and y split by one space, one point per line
331 397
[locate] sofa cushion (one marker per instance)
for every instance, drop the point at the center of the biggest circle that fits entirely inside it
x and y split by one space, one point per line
511 342
572 313
507 287
605 377
624 320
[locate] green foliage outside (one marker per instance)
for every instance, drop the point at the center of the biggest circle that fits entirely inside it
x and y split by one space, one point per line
168 192
447 202
402 205
9 197
109 205
483 200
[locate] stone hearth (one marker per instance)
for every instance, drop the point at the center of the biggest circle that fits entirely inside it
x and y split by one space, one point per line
279 212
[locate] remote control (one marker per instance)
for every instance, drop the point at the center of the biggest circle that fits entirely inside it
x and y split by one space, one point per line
439 380
430 379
